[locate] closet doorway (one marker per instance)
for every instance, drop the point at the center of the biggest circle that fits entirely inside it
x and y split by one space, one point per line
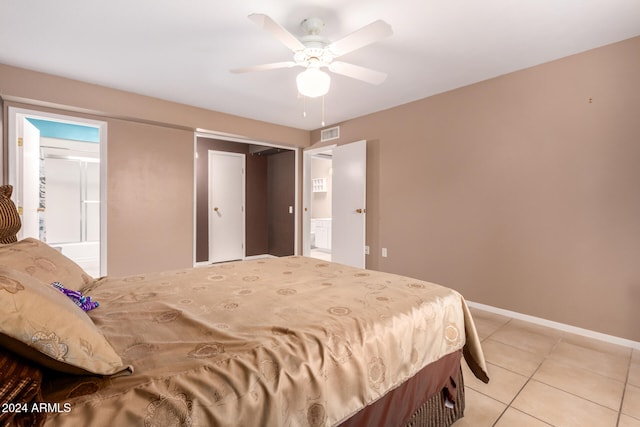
56 166
270 190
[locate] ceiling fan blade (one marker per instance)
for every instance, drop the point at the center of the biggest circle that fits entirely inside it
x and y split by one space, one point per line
366 35
277 30
357 72
264 67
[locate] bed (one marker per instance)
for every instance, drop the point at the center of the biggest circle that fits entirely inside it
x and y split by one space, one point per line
290 341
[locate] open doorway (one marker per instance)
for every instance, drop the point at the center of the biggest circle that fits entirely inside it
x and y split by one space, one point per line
270 196
320 205
334 203
56 165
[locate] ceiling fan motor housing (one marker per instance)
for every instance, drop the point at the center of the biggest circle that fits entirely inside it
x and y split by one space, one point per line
314 53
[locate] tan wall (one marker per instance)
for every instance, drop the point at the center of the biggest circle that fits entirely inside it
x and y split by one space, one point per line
150 156
521 192
149 198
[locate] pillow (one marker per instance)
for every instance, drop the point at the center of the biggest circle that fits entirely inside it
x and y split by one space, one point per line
20 383
9 217
37 259
40 323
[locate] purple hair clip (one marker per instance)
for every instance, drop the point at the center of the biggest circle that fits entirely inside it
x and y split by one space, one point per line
84 302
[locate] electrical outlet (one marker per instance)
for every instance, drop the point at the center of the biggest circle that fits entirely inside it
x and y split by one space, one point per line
384 252
366 249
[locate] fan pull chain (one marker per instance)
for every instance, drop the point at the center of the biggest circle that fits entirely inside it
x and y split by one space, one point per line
304 109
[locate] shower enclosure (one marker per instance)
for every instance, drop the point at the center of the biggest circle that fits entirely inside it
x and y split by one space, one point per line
71 198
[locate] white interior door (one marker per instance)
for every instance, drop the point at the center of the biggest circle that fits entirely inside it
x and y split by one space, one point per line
348 230
226 206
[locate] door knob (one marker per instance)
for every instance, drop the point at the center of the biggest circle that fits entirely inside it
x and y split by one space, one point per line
215 209
361 210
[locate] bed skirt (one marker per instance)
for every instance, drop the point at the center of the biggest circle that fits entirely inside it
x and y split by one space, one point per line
421 401
434 413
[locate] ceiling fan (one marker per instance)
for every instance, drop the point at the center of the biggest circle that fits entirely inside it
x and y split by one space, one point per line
313 52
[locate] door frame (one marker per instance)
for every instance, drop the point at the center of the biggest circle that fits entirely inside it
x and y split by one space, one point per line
18 113
243 158
203 133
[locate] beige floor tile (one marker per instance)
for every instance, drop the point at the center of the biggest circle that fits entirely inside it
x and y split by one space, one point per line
634 374
503 385
513 417
608 365
562 409
511 358
524 338
582 383
598 345
575 380
631 403
537 329
627 421
480 410
486 322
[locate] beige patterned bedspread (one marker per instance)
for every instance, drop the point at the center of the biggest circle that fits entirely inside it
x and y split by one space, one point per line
276 342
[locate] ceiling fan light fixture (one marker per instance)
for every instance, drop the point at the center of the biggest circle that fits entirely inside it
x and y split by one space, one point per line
313 82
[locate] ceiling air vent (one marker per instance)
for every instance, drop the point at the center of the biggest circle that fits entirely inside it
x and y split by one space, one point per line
330 133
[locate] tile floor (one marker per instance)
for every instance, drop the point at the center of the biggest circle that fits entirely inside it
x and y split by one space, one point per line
545 377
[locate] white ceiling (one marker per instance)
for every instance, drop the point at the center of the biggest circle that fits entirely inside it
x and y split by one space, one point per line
182 50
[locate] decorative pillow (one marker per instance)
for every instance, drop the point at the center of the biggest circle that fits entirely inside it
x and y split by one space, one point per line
37 259
20 383
43 325
9 217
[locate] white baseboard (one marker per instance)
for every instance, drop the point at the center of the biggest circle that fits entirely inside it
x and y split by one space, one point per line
207 263
202 264
259 256
556 325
